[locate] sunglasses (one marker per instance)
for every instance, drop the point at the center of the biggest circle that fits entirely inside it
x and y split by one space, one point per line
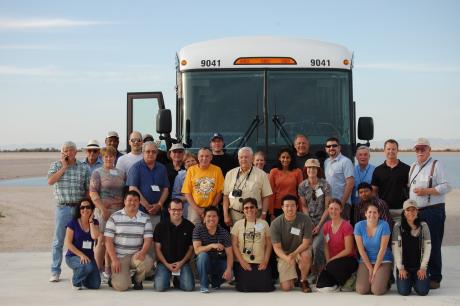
85 207
332 146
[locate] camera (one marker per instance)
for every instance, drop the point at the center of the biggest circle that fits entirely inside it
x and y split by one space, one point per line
237 193
249 252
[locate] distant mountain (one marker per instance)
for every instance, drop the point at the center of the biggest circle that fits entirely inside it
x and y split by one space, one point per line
436 143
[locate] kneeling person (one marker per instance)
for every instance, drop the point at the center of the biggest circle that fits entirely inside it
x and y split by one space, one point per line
291 235
213 248
128 236
252 248
174 249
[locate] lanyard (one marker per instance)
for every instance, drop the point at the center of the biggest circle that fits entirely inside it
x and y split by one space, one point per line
419 170
244 179
365 173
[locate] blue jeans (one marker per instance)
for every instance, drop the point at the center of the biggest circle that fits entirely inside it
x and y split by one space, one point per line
163 276
64 215
422 287
84 274
210 265
435 218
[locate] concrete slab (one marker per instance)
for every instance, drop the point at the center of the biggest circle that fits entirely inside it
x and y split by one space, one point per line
24 281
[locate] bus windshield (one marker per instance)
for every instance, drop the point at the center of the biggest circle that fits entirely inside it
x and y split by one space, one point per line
268 106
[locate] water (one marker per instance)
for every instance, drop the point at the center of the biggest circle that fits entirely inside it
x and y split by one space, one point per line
451 162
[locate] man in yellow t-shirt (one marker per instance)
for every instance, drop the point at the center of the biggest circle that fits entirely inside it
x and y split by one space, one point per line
203 186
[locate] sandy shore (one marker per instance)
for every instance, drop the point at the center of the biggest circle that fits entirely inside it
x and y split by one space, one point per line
28 212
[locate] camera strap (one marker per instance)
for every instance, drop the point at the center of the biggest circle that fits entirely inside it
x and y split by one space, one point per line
244 180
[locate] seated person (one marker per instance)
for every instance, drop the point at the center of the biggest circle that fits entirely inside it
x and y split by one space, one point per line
128 237
338 249
174 249
411 243
252 248
213 248
291 235
79 238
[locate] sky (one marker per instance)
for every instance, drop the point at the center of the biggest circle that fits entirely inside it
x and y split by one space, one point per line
66 66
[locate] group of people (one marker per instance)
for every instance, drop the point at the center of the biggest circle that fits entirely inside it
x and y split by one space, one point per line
178 216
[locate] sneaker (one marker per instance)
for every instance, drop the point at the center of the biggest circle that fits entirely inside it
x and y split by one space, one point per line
105 278
215 287
138 286
305 286
349 285
204 290
327 289
434 284
54 278
77 287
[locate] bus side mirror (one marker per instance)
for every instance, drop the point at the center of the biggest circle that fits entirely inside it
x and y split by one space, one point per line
164 121
366 128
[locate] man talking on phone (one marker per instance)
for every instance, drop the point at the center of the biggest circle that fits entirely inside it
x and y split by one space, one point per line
70 179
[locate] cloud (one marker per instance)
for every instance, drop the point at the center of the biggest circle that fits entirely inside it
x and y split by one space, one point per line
26 24
408 67
46 71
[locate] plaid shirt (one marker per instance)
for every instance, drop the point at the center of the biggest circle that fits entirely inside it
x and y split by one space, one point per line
73 185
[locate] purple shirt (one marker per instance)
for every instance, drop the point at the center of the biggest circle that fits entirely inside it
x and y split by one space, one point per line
79 236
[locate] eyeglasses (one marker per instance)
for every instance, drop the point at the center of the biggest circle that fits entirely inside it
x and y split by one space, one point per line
249 207
135 140
175 209
332 146
85 207
151 152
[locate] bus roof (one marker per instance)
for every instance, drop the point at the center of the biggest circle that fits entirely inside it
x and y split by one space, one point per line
264 52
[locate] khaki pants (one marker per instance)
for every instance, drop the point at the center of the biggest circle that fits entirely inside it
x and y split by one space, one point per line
380 284
193 216
122 281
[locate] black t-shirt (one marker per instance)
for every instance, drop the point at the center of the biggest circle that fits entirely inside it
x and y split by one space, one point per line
175 240
392 184
172 173
300 160
225 162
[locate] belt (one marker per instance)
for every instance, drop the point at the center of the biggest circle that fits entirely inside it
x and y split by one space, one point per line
69 204
434 206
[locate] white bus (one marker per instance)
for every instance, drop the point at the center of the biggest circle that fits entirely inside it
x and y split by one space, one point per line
263 91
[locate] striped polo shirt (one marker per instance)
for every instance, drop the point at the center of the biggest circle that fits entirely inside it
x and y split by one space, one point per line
128 233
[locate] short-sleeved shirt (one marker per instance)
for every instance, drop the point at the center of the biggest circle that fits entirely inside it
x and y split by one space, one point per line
283 183
336 241
175 240
81 240
300 160
361 175
290 233
178 183
392 183
372 244
252 236
337 170
254 183
315 198
150 182
73 185
203 184
125 162
128 233
109 184
200 233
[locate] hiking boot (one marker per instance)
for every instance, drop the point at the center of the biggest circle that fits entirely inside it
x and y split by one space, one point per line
305 286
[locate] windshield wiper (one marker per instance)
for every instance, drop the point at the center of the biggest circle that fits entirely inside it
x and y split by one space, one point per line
254 124
276 120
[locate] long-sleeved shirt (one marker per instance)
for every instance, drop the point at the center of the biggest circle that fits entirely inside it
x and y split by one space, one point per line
398 244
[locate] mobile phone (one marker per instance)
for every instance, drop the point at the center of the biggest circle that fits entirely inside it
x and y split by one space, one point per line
66 158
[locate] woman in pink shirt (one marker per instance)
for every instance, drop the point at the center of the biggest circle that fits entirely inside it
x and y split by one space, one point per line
338 249
284 179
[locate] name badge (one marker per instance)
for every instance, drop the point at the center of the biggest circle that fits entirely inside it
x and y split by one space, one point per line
177 273
295 231
319 192
155 188
87 244
113 172
259 227
327 238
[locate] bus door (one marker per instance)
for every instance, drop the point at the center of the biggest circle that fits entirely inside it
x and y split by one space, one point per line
141 115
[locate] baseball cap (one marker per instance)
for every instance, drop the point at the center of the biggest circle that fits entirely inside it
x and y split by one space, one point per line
216 135
409 203
312 162
177 146
422 142
112 134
